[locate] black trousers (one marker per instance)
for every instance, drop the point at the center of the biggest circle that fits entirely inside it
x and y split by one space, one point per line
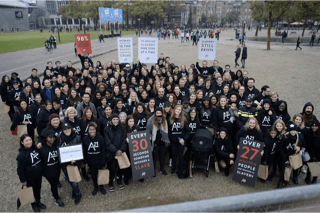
114 168
74 186
128 171
236 60
54 186
177 150
94 175
36 187
159 151
281 179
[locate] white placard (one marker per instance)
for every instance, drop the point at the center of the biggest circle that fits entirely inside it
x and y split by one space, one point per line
207 48
148 50
125 51
70 153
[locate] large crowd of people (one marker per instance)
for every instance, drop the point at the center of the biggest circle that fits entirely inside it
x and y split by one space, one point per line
97 105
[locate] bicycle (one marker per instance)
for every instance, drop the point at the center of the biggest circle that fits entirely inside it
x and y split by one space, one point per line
47 49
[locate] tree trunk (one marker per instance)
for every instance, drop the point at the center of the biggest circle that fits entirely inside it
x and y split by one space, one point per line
304 27
269 29
257 29
80 24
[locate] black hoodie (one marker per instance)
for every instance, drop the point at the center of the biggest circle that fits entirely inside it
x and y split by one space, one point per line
21 116
94 150
206 116
42 119
29 164
50 160
269 149
287 146
284 115
223 148
35 108
221 118
103 122
84 125
141 121
264 119
251 134
14 93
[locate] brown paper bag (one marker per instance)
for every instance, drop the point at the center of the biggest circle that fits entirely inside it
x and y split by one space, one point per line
295 161
123 161
103 176
26 196
287 173
73 174
5 108
22 129
216 167
314 168
36 133
263 172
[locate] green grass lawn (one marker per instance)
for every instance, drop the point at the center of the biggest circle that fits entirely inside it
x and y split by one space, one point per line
11 42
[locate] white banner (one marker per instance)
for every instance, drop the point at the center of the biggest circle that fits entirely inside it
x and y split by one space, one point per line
207 48
70 153
148 50
125 51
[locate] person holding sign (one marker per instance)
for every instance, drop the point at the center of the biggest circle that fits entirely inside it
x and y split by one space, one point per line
290 144
158 128
50 164
94 154
115 138
30 169
68 138
251 130
179 133
224 149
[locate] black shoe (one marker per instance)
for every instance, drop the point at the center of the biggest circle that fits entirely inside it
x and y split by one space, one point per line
163 172
35 207
295 180
103 191
141 180
173 171
126 181
307 180
270 177
41 205
287 185
111 188
78 198
119 183
262 181
95 191
73 196
89 171
85 176
279 185
59 203
314 180
226 172
59 184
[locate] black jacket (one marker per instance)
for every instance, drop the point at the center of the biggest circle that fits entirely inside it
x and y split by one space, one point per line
103 122
57 132
313 144
35 108
42 119
238 52
269 149
314 118
244 53
5 90
50 161
115 139
29 164
94 150
223 148
84 125
284 115
251 93
287 146
14 93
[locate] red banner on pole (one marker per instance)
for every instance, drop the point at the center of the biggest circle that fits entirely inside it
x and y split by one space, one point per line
83 43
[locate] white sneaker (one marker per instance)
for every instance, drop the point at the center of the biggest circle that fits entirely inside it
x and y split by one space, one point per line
170 162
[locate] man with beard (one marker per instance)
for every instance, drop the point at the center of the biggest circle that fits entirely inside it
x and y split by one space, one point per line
265 94
307 115
251 91
161 99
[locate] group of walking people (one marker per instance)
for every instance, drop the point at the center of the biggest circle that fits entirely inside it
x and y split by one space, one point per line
98 104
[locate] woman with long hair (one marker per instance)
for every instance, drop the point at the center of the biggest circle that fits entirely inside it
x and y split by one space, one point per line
151 106
141 116
158 128
219 116
206 112
65 90
87 117
74 98
29 169
68 138
251 130
104 120
102 106
179 133
27 94
118 106
43 116
35 107
36 87
172 99
96 100
24 116
116 92
57 94
266 117
144 98
132 102
235 86
5 89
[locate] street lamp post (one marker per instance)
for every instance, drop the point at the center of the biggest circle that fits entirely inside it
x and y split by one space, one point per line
139 26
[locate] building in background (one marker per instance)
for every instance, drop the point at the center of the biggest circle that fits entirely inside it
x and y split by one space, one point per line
13 16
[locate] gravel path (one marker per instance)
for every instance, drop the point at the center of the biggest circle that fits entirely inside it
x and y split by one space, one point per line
293 74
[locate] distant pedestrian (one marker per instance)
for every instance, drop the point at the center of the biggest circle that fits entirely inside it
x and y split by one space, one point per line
298 43
240 38
244 55
194 40
101 37
120 32
182 36
237 52
54 42
284 36
112 33
313 37
137 32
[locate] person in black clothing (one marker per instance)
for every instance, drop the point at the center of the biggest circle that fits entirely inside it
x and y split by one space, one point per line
141 116
206 112
281 111
115 138
224 149
313 147
14 96
204 70
34 75
35 107
266 117
221 116
237 52
30 169
51 165
94 149
158 128
69 138
72 119
251 90
84 58
53 124
290 144
244 55
298 43
265 94
307 115
250 130
24 116
179 134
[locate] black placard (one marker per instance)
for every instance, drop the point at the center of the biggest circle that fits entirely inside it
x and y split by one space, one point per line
140 155
248 161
